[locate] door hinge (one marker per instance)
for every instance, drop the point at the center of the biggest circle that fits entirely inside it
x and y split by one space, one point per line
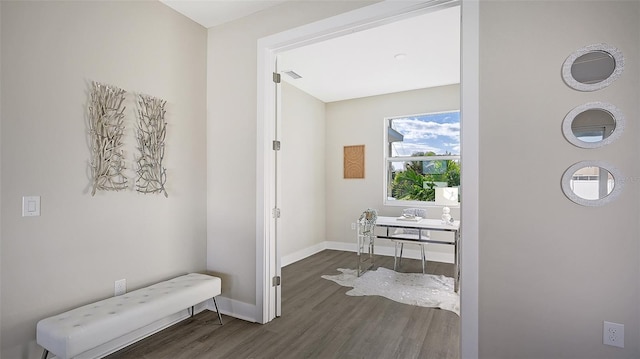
276 213
276 281
276 77
276 145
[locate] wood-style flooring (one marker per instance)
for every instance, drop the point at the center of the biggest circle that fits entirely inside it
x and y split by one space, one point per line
318 321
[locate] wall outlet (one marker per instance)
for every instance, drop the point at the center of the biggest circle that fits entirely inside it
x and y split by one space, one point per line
613 334
353 226
120 287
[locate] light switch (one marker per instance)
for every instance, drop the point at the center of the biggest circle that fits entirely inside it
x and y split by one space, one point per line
30 206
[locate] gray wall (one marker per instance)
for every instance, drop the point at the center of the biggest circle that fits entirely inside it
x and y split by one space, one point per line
78 247
361 122
231 124
318 203
302 224
552 271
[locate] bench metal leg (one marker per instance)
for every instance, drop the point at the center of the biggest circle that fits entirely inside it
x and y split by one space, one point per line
217 310
45 354
192 311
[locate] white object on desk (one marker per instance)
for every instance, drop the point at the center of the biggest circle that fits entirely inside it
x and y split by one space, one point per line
446 216
409 219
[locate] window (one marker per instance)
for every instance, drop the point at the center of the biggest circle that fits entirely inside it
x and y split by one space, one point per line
422 153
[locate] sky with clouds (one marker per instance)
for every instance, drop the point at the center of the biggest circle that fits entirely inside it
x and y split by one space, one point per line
439 132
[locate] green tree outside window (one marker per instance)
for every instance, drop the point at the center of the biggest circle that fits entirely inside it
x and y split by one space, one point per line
418 181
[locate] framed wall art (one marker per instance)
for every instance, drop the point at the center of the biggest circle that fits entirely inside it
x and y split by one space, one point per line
354 161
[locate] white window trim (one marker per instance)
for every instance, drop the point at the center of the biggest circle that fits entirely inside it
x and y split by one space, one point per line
404 203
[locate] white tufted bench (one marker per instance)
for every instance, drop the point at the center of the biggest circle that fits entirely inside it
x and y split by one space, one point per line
71 333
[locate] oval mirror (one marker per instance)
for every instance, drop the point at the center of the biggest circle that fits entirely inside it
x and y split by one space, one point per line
593 67
593 124
591 183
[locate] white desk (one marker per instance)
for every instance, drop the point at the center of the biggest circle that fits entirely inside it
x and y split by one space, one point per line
389 223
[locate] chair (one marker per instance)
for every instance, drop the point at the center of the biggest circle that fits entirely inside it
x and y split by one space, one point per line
366 237
412 237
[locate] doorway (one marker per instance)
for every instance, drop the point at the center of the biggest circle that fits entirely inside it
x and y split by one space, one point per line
266 255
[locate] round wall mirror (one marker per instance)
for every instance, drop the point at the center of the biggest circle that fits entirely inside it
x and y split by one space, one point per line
591 183
593 67
593 124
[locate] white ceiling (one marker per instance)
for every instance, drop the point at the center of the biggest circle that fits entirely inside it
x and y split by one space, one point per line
363 64
209 13
359 64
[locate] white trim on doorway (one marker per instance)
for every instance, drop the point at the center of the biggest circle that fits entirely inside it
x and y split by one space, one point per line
470 171
371 16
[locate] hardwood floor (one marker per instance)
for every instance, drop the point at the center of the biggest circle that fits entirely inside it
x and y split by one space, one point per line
318 321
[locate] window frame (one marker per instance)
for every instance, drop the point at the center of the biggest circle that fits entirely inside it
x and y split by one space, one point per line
387 159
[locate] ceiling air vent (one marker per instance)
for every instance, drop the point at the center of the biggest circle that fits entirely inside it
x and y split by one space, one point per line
293 75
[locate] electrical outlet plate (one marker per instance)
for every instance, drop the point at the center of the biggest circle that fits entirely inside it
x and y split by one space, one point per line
120 287
613 334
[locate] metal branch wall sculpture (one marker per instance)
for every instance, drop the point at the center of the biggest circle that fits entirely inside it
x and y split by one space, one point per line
150 134
106 128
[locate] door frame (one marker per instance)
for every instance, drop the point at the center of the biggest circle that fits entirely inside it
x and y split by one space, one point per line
267 258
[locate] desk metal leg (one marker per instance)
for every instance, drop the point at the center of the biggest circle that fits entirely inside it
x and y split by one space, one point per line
389 223
372 241
395 256
360 251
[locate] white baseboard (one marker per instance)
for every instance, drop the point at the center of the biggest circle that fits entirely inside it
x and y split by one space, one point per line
435 256
234 308
351 247
341 246
302 254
